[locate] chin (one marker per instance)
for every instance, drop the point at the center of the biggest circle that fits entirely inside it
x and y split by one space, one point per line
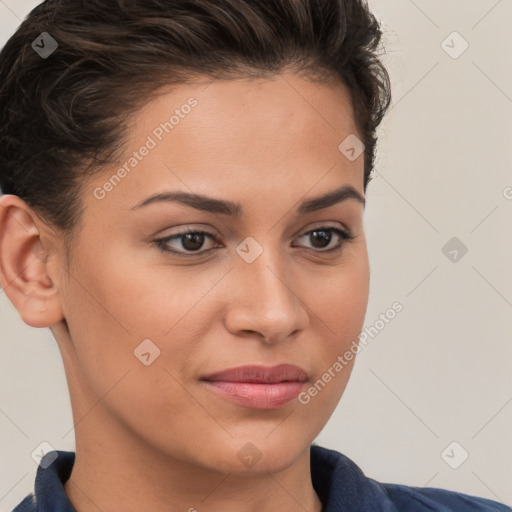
262 456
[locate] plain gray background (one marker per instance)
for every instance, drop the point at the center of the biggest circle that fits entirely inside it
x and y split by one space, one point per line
440 371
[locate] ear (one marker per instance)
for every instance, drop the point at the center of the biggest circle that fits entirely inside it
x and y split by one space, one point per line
28 264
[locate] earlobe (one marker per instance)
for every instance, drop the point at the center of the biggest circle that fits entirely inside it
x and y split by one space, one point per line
25 264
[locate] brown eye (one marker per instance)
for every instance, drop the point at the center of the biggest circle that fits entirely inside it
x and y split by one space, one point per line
322 236
191 242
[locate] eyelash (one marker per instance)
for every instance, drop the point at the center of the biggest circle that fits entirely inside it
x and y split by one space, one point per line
162 243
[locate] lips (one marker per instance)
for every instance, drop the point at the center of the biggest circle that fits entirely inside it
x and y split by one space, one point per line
260 374
258 387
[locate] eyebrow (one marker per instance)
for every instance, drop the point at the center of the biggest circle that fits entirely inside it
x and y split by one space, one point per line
223 207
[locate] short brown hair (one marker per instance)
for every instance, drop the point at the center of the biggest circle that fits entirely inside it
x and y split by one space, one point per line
63 117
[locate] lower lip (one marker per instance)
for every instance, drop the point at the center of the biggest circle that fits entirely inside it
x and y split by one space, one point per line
257 396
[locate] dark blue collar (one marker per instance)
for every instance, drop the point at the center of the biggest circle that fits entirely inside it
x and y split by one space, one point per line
339 483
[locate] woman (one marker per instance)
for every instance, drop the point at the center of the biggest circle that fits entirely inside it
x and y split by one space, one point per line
184 194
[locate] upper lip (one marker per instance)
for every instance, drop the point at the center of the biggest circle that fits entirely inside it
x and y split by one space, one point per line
261 374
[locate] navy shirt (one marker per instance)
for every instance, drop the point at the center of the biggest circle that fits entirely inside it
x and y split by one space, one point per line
339 483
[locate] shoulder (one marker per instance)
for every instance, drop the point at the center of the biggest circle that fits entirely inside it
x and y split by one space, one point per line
408 498
27 505
49 495
342 485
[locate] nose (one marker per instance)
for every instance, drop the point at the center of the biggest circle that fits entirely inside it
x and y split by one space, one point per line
264 300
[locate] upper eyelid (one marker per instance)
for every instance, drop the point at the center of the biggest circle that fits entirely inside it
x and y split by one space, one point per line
325 224
213 232
217 238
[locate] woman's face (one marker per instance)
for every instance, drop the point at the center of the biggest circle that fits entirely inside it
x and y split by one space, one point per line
146 326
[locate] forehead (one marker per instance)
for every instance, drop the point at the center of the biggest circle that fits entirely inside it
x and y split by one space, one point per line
262 106
258 135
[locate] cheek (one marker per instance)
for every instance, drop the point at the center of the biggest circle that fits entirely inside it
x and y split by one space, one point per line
116 303
108 316
108 320
344 298
341 308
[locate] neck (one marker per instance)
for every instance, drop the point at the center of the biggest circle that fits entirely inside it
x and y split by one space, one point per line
118 472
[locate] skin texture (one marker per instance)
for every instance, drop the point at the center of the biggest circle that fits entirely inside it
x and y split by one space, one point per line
153 437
